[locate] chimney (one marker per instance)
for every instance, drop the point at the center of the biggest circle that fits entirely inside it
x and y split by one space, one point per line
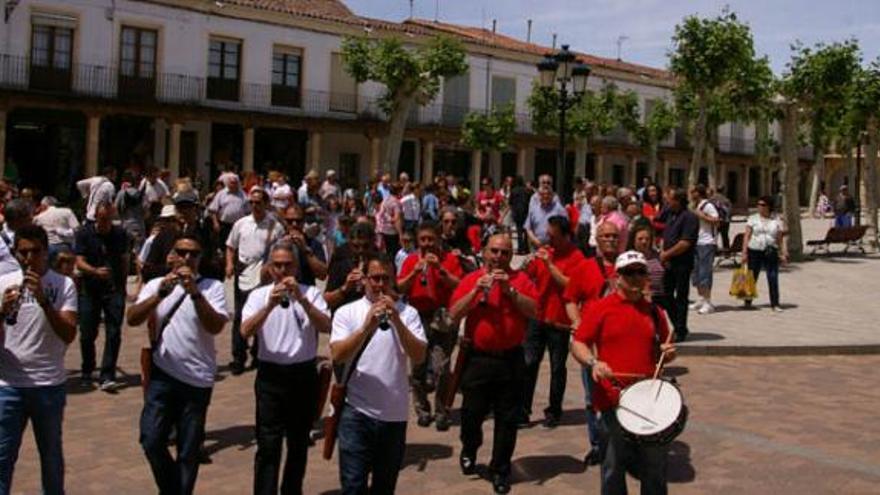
494 25
554 41
529 31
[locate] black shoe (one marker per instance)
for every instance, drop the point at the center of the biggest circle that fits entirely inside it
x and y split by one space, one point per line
500 483
550 422
236 368
593 457
467 464
680 336
523 422
442 422
425 419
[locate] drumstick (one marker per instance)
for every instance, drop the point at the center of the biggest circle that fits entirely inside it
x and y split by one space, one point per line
637 414
662 357
630 375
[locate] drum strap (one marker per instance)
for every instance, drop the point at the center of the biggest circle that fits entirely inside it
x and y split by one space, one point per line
606 285
655 317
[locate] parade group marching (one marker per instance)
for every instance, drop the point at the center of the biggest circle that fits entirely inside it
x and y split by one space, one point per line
426 290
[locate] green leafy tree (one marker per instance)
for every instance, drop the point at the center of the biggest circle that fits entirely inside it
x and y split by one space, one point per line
411 76
658 123
719 79
864 122
489 131
821 80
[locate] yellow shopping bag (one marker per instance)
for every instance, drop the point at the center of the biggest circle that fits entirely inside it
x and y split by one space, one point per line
743 286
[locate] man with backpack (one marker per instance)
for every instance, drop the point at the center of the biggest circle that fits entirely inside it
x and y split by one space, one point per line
723 205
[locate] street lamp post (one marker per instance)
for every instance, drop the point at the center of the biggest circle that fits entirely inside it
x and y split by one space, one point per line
572 73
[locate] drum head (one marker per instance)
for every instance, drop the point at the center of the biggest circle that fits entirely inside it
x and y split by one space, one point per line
649 407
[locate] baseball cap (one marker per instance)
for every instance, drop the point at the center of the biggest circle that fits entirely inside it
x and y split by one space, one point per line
630 259
168 211
184 197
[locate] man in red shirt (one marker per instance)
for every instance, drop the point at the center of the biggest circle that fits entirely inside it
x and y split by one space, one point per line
626 330
595 279
496 302
551 270
427 277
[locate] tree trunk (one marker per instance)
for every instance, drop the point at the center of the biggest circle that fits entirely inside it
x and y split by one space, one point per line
762 152
817 172
789 170
869 176
711 165
580 157
396 127
652 161
699 138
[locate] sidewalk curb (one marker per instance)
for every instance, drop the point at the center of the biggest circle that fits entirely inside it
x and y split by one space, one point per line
745 350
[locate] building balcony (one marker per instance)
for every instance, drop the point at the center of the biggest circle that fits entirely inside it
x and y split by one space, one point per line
736 145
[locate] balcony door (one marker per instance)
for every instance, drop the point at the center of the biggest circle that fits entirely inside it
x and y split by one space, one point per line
224 69
137 63
51 63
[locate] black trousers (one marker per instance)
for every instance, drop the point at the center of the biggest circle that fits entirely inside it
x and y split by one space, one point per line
285 396
492 383
677 286
240 345
542 336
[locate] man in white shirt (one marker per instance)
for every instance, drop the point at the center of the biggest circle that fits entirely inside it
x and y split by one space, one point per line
97 190
372 426
59 222
18 213
705 250
188 312
330 187
281 193
227 207
287 317
246 249
38 323
154 191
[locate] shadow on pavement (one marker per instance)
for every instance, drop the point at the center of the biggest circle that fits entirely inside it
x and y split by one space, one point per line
240 435
675 371
679 468
75 385
703 336
539 469
418 454
573 417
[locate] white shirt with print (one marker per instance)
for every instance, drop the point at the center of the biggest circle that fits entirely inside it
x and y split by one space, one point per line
32 353
706 235
379 388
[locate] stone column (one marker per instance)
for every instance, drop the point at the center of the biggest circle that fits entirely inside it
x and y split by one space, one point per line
2 143
247 155
314 150
632 177
428 161
744 182
721 180
664 173
580 159
522 156
375 155
417 163
600 169
495 167
93 136
476 165
173 159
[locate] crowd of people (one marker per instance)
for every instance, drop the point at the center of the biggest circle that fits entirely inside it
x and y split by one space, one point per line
404 269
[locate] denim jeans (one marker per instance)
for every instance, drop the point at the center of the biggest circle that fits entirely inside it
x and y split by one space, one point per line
648 462
170 403
91 305
544 336
592 419
44 407
368 445
769 262
843 220
704 261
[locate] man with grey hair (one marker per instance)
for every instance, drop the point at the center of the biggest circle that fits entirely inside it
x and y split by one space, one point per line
60 224
610 212
537 221
17 214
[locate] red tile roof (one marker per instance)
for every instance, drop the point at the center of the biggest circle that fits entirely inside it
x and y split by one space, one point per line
326 9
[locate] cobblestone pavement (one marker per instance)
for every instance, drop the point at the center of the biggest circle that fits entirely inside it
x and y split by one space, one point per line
757 425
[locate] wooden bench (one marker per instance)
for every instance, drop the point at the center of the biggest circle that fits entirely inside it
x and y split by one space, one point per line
848 236
733 253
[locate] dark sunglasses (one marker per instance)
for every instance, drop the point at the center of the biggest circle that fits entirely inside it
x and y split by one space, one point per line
502 252
183 253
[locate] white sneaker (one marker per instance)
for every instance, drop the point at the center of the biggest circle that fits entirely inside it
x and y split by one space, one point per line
777 309
109 386
696 306
706 309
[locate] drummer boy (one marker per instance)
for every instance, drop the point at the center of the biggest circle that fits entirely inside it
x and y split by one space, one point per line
622 338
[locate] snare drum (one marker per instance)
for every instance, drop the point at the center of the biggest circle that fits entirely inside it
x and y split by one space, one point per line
652 412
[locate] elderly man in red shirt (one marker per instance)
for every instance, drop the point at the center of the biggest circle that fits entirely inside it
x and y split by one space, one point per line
496 302
427 277
552 268
626 330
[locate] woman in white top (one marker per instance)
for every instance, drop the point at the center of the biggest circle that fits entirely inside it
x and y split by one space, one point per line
763 247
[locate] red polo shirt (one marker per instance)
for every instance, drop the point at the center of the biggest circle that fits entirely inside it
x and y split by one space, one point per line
435 294
587 285
551 307
624 335
497 325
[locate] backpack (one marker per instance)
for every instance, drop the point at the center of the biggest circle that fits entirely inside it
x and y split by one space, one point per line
723 209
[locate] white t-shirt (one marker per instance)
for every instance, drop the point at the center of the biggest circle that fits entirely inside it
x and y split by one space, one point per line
411 207
32 353
98 190
765 232
287 336
706 235
379 388
155 192
8 262
145 249
249 238
60 224
186 349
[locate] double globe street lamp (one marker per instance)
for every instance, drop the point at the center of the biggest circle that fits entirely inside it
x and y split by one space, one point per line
563 73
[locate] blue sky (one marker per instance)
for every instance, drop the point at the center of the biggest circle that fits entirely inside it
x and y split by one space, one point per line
593 26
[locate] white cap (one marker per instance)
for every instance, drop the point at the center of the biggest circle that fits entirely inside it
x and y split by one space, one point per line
168 211
629 259
331 172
